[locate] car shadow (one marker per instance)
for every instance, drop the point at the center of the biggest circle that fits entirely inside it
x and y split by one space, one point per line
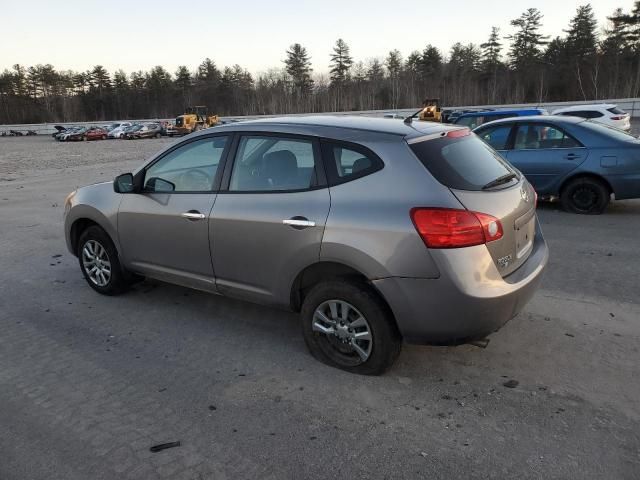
228 321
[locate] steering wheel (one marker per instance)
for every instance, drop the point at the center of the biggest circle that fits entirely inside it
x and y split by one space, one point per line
195 180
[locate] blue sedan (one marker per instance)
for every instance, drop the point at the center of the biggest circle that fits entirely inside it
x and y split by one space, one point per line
579 161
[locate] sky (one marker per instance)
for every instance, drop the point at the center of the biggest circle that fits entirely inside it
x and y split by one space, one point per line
139 34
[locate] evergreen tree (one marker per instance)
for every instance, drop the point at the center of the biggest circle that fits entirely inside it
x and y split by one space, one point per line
341 62
527 40
430 62
581 40
298 66
491 51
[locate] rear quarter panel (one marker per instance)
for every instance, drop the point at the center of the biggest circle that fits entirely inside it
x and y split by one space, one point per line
369 227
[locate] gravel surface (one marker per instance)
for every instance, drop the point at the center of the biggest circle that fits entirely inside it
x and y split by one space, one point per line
88 384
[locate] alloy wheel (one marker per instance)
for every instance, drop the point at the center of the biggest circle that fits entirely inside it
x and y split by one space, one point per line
96 263
347 336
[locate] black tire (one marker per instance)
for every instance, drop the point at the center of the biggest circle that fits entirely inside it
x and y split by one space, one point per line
119 280
158 135
585 195
385 340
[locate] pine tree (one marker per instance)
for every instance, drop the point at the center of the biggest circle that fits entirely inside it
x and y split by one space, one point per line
341 62
298 66
394 67
527 41
581 40
430 62
491 51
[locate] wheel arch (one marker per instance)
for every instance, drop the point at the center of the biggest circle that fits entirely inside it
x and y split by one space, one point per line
326 271
80 224
591 175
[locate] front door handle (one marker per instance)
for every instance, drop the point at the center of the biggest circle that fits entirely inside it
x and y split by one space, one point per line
193 215
299 222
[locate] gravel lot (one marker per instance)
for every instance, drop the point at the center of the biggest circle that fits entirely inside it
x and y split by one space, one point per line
89 383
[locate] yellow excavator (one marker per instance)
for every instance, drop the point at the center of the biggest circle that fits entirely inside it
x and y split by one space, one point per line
431 111
194 119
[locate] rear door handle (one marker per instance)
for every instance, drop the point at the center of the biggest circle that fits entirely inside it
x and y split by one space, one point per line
193 215
572 156
299 222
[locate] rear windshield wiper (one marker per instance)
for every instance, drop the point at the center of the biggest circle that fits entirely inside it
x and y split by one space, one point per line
500 180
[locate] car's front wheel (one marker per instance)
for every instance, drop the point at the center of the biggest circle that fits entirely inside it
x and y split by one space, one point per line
347 325
585 195
99 262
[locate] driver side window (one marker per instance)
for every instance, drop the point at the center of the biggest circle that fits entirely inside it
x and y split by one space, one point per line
189 168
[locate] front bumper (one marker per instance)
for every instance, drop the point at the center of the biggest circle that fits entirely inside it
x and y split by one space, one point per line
468 301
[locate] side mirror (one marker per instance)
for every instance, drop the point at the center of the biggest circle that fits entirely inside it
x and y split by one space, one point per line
124 183
160 185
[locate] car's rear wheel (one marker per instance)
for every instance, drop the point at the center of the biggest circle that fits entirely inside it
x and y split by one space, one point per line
99 262
347 325
585 195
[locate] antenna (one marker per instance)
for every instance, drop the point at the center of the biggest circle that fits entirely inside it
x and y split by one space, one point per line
409 119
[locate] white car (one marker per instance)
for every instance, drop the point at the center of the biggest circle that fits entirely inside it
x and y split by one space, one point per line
607 114
118 132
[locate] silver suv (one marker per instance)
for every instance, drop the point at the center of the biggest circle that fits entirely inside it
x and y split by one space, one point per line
374 230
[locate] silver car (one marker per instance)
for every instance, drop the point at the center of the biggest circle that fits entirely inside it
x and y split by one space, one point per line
375 231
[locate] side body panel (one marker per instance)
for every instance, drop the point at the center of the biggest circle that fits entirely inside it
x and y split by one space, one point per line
158 241
369 227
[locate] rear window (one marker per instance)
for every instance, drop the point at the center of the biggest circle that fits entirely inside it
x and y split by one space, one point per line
611 132
616 111
462 163
584 114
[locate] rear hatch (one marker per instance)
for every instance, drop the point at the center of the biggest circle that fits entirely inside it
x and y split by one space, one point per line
485 183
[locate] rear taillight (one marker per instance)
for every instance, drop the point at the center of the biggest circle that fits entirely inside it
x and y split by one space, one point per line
451 228
618 118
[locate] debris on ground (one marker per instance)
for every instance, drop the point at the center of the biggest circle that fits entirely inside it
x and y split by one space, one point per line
511 383
164 446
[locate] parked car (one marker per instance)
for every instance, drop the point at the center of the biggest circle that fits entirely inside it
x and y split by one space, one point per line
581 162
475 119
151 130
454 113
603 113
95 133
74 135
118 132
308 221
59 129
129 130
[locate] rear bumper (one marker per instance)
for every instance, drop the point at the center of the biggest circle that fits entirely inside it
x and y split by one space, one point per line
470 299
625 186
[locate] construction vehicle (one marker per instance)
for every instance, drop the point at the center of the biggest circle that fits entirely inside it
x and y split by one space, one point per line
431 111
194 119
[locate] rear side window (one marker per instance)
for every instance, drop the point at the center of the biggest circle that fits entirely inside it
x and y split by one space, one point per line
616 111
462 163
273 164
540 136
584 114
348 161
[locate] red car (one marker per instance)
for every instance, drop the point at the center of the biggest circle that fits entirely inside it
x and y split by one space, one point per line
95 133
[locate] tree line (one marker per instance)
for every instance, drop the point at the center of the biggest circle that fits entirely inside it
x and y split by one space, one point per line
522 67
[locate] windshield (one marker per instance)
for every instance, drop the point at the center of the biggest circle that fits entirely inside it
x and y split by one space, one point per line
463 163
